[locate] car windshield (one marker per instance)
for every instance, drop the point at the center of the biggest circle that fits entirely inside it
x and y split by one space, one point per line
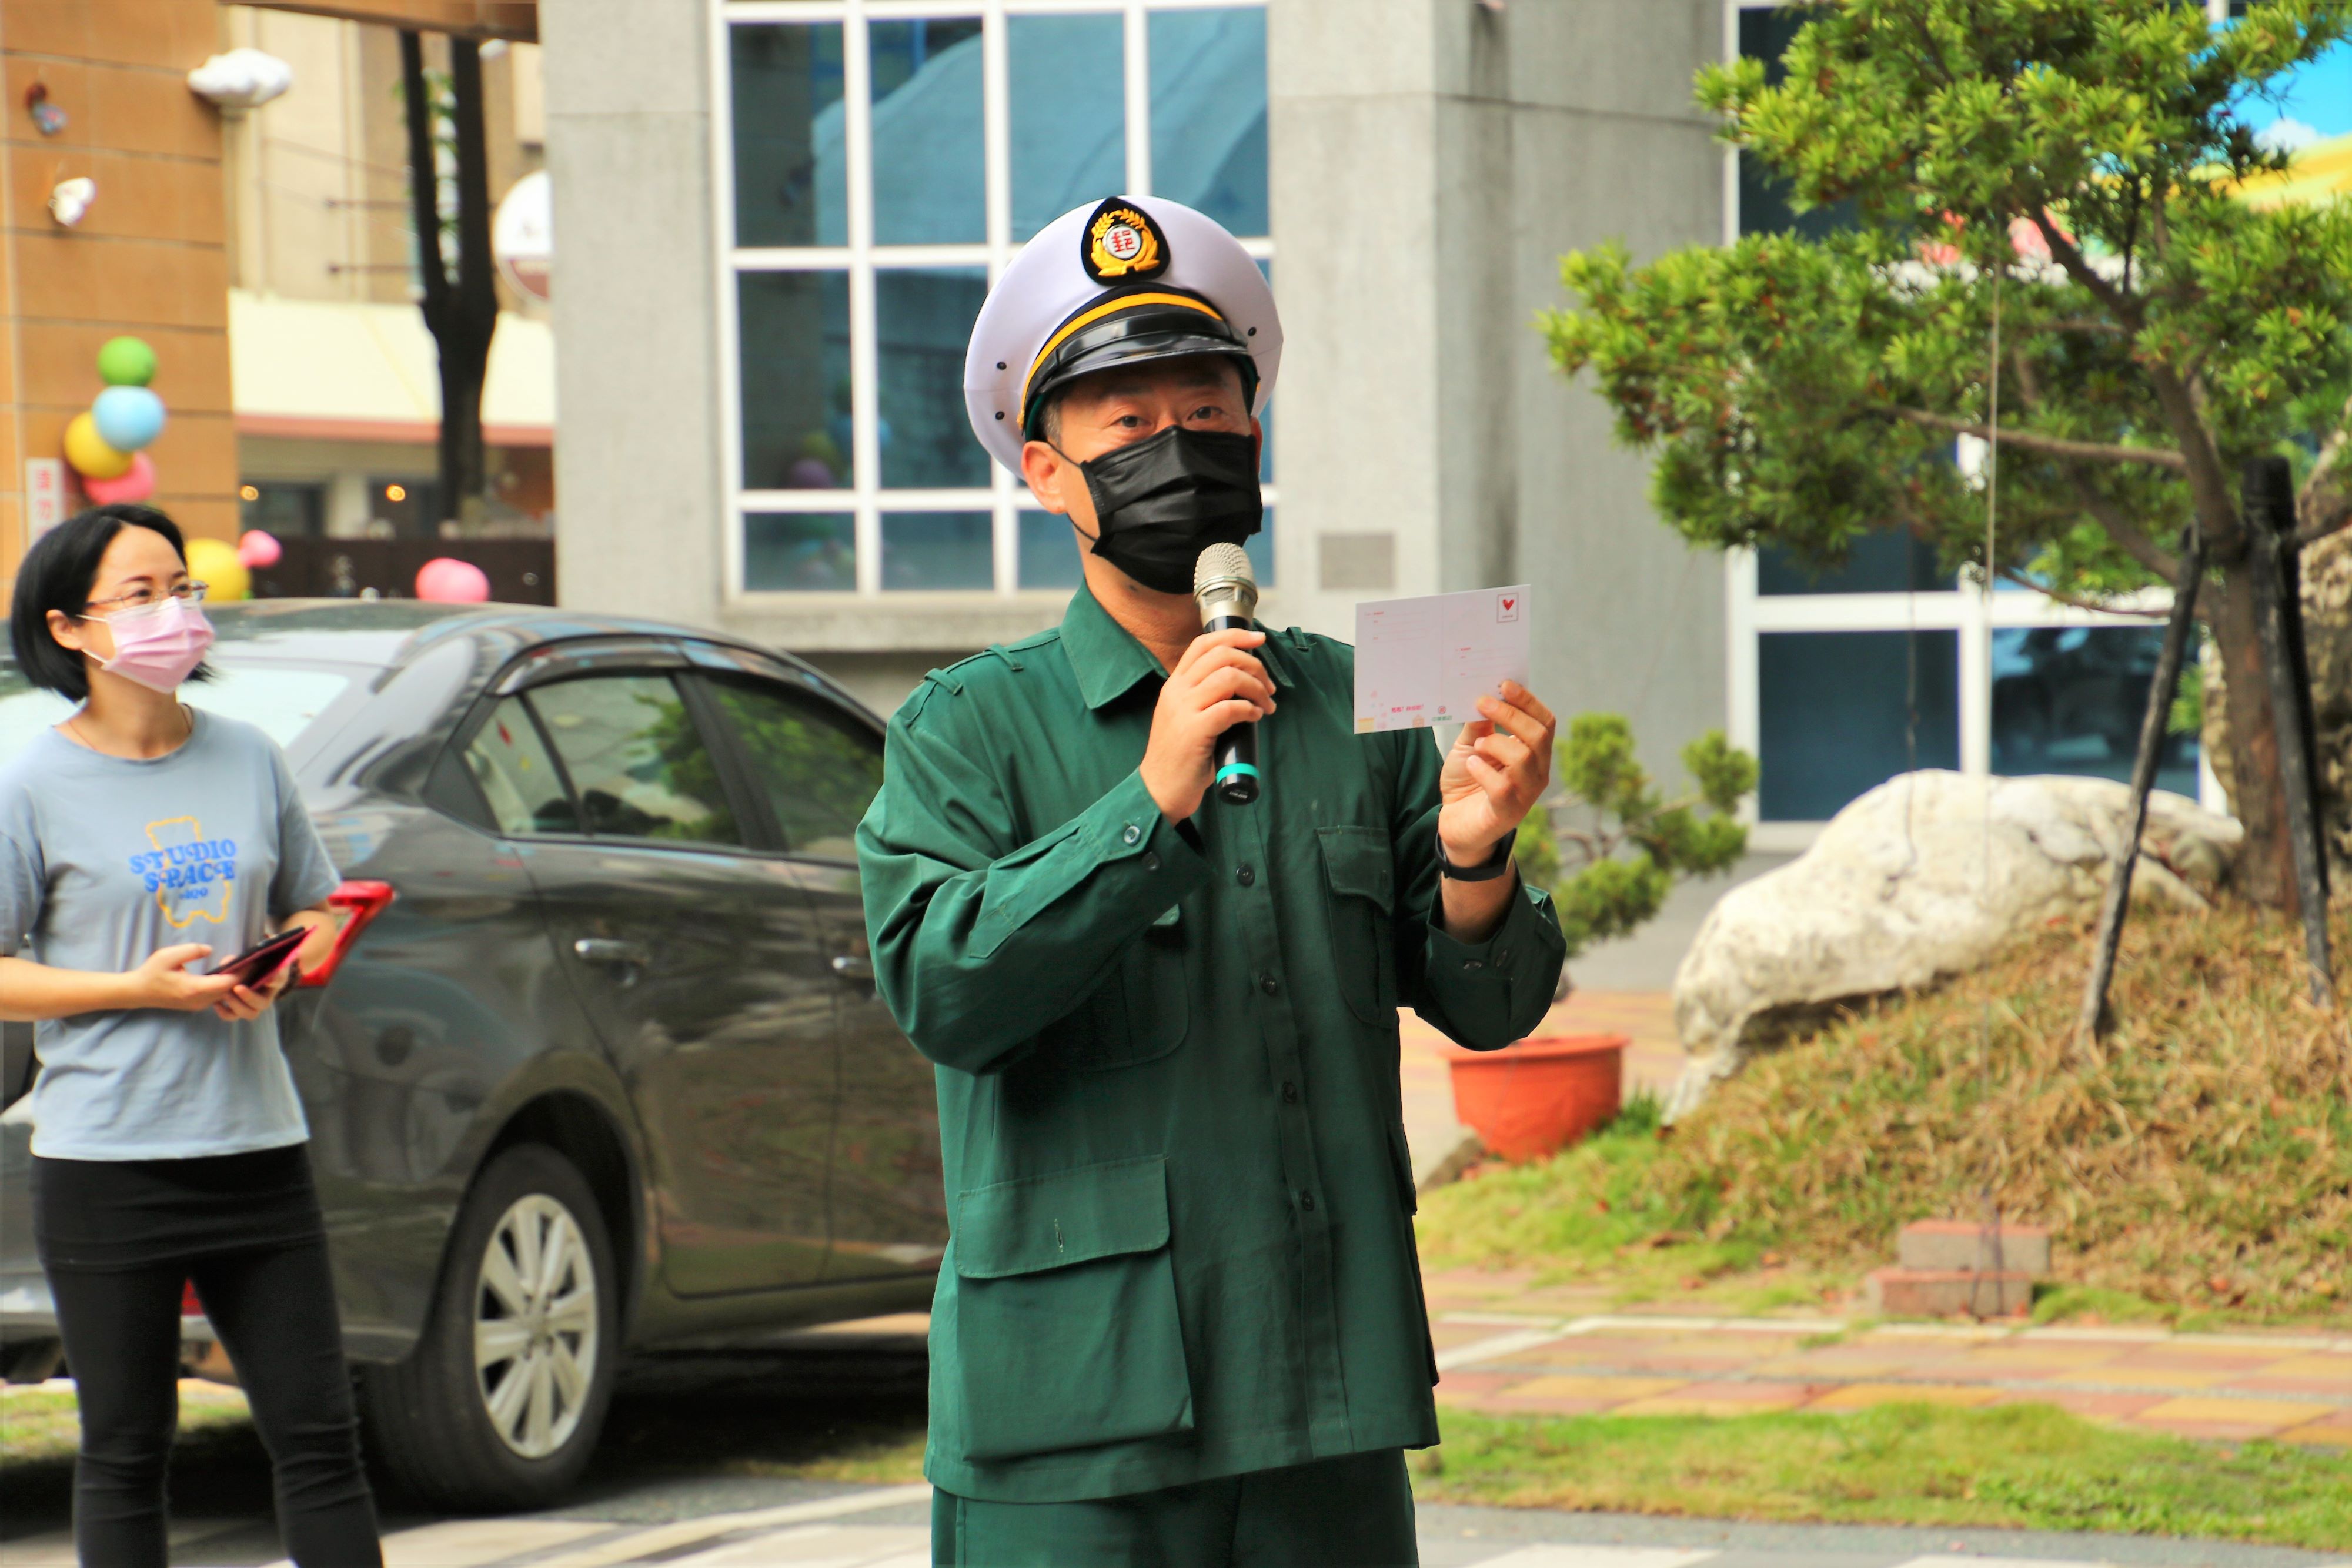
282 699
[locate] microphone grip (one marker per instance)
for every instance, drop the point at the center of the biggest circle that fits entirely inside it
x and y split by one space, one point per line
1235 756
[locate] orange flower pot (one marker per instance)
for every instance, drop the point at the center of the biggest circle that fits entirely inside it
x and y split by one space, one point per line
1541 1094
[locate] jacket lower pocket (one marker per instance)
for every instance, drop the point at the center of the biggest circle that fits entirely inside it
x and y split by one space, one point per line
1067 1335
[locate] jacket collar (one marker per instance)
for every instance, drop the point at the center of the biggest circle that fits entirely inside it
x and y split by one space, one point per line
1104 656
1109 662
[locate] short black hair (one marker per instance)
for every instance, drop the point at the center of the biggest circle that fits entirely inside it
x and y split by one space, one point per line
56 574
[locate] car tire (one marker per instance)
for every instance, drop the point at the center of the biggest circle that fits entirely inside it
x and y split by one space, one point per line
499 1405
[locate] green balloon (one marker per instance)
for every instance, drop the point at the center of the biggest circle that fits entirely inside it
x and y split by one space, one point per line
126 362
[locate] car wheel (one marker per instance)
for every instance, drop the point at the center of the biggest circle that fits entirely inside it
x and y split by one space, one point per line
500 1404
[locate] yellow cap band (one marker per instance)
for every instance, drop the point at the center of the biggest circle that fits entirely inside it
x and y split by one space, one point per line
1088 318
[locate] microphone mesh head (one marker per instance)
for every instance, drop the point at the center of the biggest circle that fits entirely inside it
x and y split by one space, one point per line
1223 563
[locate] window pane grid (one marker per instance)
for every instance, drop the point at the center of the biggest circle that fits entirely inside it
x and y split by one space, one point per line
916 273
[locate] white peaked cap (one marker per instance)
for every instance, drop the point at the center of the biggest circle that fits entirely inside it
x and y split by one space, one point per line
1171 278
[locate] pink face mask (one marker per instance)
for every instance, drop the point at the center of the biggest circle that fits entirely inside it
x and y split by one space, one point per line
158 644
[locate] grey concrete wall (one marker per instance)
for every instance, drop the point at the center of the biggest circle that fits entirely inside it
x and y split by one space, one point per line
1352 127
638 500
1609 146
1431 161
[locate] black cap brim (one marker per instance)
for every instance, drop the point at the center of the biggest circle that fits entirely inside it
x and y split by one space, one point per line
1149 331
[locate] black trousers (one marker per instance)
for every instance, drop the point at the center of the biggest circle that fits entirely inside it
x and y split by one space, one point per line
273 1305
1353 1511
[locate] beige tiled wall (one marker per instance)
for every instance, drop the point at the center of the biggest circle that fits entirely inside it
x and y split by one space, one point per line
149 259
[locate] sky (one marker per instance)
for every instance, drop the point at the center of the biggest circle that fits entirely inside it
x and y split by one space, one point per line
2317 103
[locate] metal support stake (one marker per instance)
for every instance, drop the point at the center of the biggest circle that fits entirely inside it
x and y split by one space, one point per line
2267 494
2153 724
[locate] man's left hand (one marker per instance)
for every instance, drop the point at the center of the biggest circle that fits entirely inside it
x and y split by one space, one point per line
1499 768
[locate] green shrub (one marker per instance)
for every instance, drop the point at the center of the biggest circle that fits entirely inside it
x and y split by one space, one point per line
1610 871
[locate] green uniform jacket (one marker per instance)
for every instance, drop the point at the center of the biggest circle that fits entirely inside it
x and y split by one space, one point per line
1177 1187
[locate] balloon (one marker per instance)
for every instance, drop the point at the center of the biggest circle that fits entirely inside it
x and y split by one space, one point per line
214 561
126 362
128 418
258 550
811 473
91 457
136 484
445 580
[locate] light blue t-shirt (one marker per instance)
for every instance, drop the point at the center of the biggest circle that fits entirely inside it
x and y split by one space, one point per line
103 860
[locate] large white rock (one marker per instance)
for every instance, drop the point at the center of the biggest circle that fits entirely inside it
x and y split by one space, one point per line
1921 879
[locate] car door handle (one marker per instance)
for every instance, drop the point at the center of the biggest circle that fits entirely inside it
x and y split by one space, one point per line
608 950
852 967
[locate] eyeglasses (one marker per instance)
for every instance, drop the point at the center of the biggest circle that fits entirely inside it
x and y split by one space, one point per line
138 598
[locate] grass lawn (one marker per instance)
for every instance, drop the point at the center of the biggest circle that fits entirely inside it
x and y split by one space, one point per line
2020 1466
872 1436
2196 1165
39 1427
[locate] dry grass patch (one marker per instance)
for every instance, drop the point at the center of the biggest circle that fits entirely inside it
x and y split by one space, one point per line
2199 1159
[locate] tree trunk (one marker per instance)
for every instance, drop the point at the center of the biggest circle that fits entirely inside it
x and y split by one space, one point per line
2266 869
2328 635
2327 639
462 316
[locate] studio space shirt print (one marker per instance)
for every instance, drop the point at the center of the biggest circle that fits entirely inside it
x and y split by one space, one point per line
193 877
104 859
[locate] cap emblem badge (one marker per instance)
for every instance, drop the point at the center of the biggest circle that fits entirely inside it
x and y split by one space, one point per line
1120 242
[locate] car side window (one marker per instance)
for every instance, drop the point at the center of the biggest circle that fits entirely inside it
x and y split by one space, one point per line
636 759
518 779
818 767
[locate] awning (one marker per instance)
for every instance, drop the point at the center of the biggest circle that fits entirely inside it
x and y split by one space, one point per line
319 369
516 19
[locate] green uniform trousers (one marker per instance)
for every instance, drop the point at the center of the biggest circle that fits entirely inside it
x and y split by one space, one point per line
1355 1512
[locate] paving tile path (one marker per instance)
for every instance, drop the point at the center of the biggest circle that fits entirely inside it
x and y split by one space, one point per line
1530 1360
1505 1344
883 1527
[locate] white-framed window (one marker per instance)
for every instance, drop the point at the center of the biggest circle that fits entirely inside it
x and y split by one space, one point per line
878 163
1841 679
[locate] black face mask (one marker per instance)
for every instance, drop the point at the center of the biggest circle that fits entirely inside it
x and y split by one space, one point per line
1162 501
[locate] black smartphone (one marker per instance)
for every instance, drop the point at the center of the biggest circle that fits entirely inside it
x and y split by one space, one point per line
259 963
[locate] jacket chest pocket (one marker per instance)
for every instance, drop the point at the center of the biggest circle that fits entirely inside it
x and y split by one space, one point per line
1137 1014
1066 1332
1359 894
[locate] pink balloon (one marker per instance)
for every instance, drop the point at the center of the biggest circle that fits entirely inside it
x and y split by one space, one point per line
135 483
258 549
445 580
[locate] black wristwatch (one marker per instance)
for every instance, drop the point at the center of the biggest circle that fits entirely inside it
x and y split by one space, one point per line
1486 870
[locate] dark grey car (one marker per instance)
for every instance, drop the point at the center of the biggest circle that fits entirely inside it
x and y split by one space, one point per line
598 1065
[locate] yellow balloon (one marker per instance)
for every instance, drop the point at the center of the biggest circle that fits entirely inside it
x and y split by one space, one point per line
214 561
87 450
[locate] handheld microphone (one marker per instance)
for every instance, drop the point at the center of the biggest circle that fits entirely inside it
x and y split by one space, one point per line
1226 591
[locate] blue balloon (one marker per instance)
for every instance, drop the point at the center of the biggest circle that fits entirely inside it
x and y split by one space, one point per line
128 418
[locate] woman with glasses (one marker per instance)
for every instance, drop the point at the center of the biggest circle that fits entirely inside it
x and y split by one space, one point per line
140 838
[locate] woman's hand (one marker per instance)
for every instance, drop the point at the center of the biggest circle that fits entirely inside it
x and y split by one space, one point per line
247 1002
163 981
243 1004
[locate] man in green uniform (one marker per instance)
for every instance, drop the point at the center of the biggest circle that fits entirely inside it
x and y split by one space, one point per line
1180 1322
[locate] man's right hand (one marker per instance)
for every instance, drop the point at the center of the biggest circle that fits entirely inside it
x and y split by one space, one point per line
1217 685
163 981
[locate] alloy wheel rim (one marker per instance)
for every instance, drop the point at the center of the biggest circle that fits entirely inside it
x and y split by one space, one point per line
535 1326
